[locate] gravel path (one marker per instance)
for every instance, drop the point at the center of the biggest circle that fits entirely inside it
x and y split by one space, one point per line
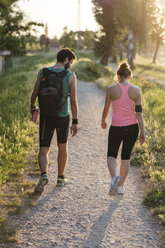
82 214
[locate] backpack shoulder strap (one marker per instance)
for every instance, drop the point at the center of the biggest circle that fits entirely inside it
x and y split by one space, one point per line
46 72
62 73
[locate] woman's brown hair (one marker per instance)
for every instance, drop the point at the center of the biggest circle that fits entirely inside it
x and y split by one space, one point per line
124 70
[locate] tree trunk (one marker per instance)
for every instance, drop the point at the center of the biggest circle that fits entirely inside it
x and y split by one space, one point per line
121 52
114 60
104 59
131 51
156 50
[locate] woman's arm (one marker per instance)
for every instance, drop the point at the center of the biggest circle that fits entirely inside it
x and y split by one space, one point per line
139 117
106 108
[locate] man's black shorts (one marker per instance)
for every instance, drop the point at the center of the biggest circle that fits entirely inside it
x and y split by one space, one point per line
47 127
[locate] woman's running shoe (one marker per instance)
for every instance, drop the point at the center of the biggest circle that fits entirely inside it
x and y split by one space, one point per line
121 190
114 185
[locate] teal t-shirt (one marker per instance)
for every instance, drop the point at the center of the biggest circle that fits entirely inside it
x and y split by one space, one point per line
66 89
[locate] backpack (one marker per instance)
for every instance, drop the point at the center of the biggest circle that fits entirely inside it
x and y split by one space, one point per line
51 92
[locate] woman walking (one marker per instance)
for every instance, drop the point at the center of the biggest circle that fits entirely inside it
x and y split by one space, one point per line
126 115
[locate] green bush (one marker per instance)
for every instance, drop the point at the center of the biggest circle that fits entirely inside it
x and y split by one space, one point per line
88 70
16 129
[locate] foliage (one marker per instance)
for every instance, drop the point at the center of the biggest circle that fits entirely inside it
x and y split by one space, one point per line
68 38
77 40
44 41
88 70
151 155
126 25
158 27
88 39
17 138
104 12
14 31
16 129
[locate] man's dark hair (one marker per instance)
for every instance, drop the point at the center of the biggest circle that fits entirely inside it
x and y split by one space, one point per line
65 53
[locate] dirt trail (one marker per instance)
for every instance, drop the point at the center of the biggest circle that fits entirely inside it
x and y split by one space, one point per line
82 214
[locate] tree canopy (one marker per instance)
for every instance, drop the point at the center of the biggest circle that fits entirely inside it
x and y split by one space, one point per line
14 30
126 24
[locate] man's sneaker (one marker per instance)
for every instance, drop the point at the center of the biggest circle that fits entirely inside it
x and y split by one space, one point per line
120 190
114 184
61 181
41 183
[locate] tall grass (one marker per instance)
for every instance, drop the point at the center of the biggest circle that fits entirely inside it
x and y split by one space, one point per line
152 153
16 129
17 136
145 68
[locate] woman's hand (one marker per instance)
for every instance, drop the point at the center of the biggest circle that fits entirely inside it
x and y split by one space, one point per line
106 109
104 124
142 138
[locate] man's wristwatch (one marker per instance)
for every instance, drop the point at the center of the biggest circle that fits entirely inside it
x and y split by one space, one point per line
74 121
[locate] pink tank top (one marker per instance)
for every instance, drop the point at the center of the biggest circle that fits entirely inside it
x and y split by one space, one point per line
123 109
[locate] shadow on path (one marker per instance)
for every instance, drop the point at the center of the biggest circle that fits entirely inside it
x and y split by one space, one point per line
98 231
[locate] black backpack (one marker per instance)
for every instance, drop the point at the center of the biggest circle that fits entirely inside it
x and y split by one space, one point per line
51 92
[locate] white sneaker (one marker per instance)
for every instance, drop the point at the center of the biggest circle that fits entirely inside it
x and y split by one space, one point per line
120 190
114 183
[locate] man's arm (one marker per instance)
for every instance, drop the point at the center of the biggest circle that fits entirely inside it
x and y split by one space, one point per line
73 103
35 93
106 109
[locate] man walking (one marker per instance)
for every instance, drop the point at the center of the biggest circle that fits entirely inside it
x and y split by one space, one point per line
52 118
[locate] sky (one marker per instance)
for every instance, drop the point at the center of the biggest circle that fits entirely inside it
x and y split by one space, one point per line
60 13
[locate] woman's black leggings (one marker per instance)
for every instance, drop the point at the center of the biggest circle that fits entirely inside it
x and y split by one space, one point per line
127 134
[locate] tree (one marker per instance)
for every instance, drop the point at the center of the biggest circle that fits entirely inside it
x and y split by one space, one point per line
119 19
104 12
132 18
43 41
68 38
14 31
158 27
88 39
46 36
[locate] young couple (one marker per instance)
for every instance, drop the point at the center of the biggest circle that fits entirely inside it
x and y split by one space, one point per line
126 115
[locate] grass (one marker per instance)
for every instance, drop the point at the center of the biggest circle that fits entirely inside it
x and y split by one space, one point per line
17 138
144 68
88 70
